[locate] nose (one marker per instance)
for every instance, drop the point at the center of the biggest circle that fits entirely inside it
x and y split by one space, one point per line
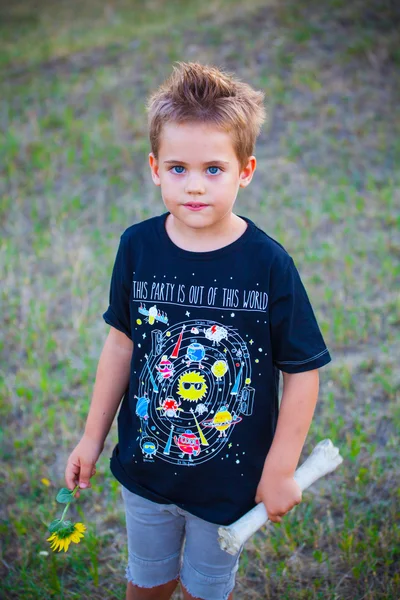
194 185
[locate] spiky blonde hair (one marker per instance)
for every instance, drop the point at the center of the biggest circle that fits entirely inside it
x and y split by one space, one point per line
205 94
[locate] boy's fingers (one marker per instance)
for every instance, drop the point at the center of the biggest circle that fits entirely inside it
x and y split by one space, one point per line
85 475
72 475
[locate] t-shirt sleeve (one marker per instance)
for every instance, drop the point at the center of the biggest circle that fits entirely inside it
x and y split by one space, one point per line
118 313
297 343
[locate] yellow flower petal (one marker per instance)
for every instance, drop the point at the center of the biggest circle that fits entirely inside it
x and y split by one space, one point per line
45 481
55 545
59 542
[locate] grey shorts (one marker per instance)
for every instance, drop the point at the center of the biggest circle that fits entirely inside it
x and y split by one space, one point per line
166 542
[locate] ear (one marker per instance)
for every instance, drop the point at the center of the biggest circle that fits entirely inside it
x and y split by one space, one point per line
154 169
246 175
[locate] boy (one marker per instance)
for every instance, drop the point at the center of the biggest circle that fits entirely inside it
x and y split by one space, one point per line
205 310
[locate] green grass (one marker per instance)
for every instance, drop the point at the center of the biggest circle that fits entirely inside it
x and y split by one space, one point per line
74 175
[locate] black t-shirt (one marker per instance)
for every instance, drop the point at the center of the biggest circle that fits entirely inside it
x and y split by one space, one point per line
211 332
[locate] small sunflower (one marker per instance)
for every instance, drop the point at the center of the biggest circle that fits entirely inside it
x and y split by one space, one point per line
67 533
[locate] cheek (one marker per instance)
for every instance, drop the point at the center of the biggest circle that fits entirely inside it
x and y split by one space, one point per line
169 185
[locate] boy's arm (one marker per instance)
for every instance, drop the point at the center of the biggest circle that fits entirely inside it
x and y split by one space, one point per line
112 379
277 488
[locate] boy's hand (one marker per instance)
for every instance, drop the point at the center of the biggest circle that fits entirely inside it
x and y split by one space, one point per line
279 492
81 464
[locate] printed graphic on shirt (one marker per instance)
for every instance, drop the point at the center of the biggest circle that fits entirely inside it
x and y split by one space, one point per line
152 293
194 389
153 314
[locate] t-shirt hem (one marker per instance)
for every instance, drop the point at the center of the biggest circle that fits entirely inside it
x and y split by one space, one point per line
319 360
120 475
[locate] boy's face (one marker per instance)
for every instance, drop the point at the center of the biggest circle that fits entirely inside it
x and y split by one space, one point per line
199 173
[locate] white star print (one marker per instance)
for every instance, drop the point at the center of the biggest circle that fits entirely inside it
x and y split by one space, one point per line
251 341
144 335
187 313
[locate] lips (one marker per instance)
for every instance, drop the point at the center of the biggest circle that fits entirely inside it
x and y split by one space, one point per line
195 205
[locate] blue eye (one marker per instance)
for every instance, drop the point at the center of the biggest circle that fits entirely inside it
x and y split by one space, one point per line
214 168
178 167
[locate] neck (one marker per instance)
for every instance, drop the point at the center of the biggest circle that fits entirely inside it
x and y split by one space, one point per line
201 239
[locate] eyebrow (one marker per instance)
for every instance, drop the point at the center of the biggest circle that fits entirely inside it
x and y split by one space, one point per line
210 162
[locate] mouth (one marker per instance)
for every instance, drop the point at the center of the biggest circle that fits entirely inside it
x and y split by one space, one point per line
195 205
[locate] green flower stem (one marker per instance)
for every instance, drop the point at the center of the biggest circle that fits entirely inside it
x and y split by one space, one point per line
67 505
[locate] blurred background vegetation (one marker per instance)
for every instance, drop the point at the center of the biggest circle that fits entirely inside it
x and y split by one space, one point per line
73 175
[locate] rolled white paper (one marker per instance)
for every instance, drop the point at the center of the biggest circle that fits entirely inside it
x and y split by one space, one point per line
323 460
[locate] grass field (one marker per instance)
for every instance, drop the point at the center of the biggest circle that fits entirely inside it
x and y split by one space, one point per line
73 143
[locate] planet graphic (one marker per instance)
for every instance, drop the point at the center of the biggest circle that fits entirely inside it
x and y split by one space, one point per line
165 368
149 446
195 353
219 368
188 443
222 420
201 408
142 407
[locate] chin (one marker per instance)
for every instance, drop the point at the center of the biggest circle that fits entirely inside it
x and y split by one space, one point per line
183 214
196 221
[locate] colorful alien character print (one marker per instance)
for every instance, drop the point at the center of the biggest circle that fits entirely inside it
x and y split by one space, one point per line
142 411
165 368
153 314
194 389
